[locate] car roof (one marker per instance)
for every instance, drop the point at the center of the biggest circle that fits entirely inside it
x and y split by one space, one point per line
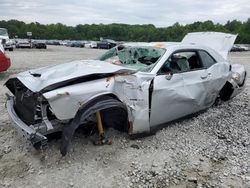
174 46
165 45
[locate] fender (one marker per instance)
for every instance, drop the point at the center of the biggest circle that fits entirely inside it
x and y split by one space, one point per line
97 104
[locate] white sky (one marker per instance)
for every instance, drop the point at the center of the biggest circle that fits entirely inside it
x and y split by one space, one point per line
161 13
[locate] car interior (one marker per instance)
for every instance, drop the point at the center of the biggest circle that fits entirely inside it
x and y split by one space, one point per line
181 62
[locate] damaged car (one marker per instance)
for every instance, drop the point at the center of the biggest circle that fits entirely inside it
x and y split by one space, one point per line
134 87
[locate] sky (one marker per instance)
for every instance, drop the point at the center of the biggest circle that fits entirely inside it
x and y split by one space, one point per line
161 13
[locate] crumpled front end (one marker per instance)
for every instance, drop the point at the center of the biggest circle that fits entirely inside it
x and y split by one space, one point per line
30 113
37 139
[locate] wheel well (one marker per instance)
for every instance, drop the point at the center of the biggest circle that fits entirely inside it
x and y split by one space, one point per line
226 91
113 113
115 116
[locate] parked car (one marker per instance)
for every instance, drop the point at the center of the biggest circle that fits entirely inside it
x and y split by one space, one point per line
78 44
5 40
132 88
23 43
4 60
91 44
53 42
64 42
106 44
237 48
246 47
39 44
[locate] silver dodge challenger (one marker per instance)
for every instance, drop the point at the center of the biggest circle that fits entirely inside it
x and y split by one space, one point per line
133 87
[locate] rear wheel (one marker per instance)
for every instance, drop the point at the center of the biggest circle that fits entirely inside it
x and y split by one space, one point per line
226 91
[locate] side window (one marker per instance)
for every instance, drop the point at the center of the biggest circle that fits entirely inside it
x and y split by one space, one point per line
181 62
206 59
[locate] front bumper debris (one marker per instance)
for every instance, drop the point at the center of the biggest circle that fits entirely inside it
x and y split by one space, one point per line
38 140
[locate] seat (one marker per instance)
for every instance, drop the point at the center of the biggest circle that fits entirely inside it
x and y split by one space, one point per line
174 66
193 62
183 64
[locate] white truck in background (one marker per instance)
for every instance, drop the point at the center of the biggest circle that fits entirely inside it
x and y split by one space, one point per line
5 40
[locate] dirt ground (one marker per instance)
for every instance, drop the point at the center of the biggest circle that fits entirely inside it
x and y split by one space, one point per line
211 149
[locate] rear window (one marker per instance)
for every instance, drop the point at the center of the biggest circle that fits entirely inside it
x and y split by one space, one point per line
206 59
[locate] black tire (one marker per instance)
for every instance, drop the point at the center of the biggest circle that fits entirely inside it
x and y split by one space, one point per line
11 49
226 92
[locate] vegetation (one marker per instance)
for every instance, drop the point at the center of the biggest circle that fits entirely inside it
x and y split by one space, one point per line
124 32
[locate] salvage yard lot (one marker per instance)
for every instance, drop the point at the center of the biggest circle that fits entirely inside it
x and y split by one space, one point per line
211 149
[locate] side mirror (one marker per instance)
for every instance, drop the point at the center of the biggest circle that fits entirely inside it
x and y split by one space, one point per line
169 75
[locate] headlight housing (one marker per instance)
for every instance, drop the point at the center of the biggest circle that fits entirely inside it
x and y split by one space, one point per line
236 76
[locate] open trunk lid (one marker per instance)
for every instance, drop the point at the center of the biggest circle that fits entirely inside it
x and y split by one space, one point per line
220 42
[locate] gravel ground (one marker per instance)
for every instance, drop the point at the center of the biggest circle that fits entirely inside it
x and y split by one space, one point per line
211 149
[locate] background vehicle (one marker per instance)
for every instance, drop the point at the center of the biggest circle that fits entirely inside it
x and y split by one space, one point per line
106 44
4 60
79 44
6 42
23 43
39 44
53 42
237 48
91 44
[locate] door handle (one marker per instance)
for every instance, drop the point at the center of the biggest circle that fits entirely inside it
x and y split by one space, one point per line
206 75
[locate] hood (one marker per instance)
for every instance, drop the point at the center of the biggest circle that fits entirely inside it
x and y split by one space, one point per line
220 42
52 77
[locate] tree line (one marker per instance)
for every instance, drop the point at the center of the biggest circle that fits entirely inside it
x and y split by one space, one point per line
123 32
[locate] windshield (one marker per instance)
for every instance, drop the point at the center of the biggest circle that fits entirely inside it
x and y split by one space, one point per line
138 58
3 32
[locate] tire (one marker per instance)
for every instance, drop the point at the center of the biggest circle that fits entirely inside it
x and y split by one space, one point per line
11 49
226 92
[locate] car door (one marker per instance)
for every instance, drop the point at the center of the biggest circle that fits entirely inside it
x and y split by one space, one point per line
214 78
182 94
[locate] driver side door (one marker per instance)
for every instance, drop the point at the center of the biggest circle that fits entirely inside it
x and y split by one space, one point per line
172 97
